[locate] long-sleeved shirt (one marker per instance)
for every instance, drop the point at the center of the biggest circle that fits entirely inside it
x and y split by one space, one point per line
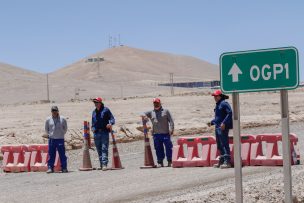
101 118
56 127
161 121
223 114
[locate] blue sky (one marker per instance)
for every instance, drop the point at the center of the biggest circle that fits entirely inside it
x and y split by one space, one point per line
46 35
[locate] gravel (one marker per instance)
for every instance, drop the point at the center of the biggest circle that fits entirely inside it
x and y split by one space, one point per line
167 185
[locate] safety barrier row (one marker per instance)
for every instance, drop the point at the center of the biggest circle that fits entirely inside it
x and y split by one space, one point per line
271 156
26 158
202 151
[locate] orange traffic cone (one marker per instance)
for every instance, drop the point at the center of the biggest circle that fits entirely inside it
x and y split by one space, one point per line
116 164
86 163
149 162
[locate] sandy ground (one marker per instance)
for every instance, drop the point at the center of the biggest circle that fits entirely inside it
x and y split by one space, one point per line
199 184
191 112
24 124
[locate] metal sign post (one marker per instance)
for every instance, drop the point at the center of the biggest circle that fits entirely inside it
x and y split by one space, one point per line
237 148
286 146
254 71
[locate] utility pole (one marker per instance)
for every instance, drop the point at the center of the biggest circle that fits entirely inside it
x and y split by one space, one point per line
76 98
171 82
94 60
110 42
98 62
47 87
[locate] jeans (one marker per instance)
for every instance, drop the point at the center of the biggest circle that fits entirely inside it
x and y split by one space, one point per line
101 139
222 141
159 141
59 145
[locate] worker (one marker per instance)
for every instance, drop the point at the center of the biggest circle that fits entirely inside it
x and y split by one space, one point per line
162 130
222 122
102 121
55 128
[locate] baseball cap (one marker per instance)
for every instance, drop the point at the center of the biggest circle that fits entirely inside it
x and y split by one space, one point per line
97 100
156 100
54 108
217 93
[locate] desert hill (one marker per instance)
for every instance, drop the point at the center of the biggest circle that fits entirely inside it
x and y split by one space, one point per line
123 72
130 65
17 84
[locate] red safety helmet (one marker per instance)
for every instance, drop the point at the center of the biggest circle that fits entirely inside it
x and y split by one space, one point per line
156 100
217 93
97 100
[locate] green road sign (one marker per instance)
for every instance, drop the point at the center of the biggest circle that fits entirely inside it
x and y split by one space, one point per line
259 70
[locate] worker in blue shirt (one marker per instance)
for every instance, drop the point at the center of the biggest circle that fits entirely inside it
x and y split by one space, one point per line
222 122
102 121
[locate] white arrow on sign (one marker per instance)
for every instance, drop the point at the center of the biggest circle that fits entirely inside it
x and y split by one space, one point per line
235 71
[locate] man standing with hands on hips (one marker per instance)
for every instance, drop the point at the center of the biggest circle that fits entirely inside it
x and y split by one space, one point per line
56 127
162 129
102 121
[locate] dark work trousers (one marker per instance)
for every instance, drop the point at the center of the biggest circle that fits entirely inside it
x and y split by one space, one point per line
222 141
101 139
161 140
57 144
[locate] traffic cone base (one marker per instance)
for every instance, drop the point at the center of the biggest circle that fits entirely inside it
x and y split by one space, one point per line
149 162
86 164
116 163
116 168
146 167
86 169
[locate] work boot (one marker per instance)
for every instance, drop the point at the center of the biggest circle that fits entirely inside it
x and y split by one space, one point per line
104 168
50 171
64 170
169 164
218 165
225 165
160 164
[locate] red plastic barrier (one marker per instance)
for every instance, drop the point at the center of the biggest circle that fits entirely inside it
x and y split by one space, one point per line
246 142
15 158
178 158
271 156
206 143
214 154
39 158
193 158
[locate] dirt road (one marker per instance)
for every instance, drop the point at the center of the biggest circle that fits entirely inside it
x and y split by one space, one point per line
261 184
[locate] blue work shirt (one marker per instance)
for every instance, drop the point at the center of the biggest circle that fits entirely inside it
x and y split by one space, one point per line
223 114
100 119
